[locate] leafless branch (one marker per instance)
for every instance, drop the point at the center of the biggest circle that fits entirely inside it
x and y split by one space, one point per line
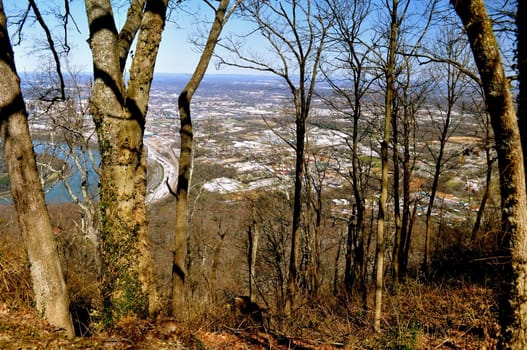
289 143
424 58
20 25
53 50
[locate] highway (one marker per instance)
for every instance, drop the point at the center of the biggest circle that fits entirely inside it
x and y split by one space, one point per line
162 168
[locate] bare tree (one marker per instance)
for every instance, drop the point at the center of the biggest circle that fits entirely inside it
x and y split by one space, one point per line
295 32
353 61
456 87
498 97
274 237
388 103
397 45
411 93
490 157
315 176
179 250
50 292
70 142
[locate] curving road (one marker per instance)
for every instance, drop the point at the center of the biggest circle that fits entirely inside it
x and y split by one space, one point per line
165 168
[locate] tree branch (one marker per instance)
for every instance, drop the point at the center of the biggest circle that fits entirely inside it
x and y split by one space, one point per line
129 30
54 52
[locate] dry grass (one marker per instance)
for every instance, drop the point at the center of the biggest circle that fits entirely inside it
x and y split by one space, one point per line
454 312
15 286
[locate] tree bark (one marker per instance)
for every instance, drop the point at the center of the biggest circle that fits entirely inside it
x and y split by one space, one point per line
388 101
253 234
179 248
396 196
488 180
408 164
311 262
292 281
500 106
521 26
119 115
51 294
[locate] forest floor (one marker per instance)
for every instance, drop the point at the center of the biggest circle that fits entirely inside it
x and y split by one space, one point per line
452 312
461 326
23 329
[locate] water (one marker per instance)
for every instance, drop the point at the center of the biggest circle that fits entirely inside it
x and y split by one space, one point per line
56 191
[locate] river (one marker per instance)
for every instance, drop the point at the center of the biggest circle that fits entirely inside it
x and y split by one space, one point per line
54 189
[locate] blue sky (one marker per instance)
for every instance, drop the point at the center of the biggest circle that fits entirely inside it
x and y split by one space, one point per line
176 55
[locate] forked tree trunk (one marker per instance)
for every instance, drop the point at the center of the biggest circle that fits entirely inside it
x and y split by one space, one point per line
355 263
500 106
302 96
51 295
454 90
119 115
349 18
410 102
312 258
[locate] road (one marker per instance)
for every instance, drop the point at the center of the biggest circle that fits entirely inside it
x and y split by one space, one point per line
165 168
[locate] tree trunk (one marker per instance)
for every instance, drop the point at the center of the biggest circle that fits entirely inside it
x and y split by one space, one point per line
521 14
388 102
351 251
500 106
336 267
253 235
215 263
425 267
488 181
119 115
406 220
51 294
396 198
314 187
179 248
297 213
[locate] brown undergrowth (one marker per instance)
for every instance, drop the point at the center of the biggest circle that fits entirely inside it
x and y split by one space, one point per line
452 312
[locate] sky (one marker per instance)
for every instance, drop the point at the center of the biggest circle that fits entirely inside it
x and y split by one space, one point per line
176 54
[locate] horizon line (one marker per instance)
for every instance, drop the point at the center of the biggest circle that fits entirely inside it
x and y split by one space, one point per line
172 73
